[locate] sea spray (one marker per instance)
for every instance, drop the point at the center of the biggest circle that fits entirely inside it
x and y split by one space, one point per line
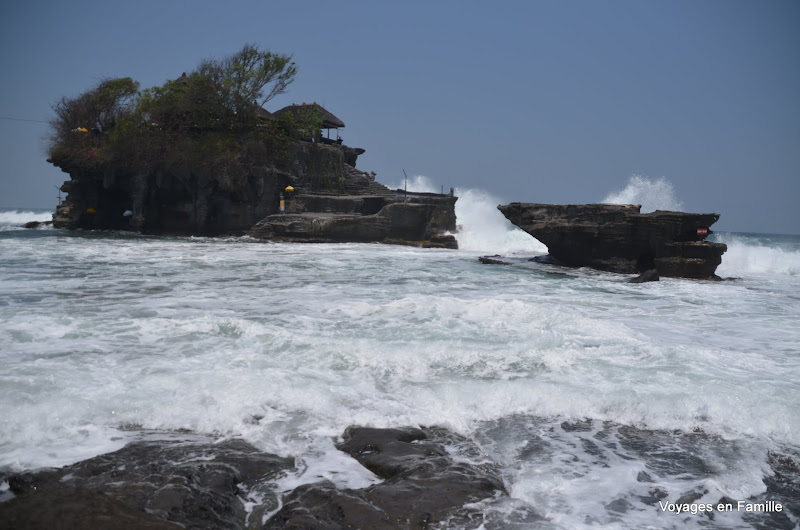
415 183
481 226
16 217
758 254
652 194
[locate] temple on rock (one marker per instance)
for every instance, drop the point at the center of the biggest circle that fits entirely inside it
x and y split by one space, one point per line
186 193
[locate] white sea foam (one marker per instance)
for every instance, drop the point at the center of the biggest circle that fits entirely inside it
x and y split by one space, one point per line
481 226
287 345
415 183
653 195
19 217
752 255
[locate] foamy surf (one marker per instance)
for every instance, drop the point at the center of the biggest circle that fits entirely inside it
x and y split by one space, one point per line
20 217
596 398
759 254
481 226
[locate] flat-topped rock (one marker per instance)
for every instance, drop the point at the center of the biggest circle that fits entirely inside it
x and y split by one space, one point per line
618 238
419 221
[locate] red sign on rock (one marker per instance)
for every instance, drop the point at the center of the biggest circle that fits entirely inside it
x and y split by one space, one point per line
702 231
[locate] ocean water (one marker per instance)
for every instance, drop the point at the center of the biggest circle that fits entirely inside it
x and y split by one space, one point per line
597 398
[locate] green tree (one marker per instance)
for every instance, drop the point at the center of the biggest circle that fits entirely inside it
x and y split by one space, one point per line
250 77
80 123
203 119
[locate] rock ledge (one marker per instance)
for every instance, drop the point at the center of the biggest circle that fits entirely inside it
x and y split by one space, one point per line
618 238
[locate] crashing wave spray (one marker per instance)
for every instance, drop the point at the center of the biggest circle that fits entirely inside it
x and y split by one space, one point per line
759 254
18 217
651 194
481 227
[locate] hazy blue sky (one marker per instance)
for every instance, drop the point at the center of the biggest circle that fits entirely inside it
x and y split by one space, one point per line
536 101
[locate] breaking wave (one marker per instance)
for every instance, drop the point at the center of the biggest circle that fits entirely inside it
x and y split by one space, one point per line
757 254
18 217
481 226
652 194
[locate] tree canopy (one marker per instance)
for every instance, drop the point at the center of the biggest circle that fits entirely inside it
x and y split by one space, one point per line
206 118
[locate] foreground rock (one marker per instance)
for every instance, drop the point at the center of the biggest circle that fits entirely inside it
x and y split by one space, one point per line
150 485
617 238
193 482
424 485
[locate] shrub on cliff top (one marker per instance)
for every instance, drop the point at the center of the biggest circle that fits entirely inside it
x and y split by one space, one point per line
78 122
200 119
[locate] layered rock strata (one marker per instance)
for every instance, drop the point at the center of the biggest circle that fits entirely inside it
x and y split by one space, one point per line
419 220
618 238
332 202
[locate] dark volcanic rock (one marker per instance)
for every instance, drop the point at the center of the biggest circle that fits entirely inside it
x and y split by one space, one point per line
148 484
333 201
492 260
647 276
431 477
76 508
617 238
419 221
36 224
424 485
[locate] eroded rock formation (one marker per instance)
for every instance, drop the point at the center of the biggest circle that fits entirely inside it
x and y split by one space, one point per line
332 202
419 220
618 238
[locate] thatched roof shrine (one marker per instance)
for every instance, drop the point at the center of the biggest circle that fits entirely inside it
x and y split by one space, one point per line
329 121
263 114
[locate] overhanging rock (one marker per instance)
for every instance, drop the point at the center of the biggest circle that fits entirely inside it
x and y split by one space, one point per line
618 238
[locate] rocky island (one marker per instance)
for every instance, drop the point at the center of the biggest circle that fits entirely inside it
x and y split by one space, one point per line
618 238
200 155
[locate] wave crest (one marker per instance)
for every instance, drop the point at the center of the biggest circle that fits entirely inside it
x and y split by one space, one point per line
481 226
19 217
752 255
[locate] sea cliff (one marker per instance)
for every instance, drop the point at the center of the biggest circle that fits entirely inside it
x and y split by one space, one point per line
331 201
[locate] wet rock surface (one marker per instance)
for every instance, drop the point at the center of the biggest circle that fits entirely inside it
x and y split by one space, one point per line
148 484
37 224
424 485
430 478
618 238
198 483
647 276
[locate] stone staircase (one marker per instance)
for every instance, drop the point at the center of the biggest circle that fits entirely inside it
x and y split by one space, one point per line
361 183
